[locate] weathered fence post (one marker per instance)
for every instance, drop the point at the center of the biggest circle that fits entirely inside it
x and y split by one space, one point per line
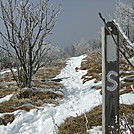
110 80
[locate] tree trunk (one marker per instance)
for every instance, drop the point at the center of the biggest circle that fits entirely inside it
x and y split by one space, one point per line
29 67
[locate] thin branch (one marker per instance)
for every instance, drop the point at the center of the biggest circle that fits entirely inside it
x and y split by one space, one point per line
122 35
123 53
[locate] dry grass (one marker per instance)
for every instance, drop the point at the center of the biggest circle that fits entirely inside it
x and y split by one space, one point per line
7 77
26 99
76 125
127 110
49 72
127 76
42 78
7 91
13 105
46 84
92 63
125 87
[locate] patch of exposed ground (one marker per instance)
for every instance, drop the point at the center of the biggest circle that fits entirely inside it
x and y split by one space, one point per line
43 78
26 99
50 71
126 77
76 125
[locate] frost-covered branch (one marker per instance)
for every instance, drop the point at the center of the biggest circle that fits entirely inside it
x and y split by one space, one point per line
129 43
118 47
26 26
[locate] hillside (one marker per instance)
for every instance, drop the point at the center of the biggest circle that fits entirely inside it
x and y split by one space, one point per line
61 94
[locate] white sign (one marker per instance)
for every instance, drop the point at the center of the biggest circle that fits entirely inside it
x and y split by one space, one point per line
111 49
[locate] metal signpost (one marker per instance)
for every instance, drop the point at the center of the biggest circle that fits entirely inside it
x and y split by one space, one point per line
110 80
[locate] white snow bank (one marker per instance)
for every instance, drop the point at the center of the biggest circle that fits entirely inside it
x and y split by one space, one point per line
127 99
95 130
6 98
132 60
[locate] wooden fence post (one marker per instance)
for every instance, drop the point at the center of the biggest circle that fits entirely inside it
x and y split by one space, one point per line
0 66
110 80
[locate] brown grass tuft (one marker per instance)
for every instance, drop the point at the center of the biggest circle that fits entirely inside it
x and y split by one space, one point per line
46 84
7 91
13 105
92 63
50 71
26 99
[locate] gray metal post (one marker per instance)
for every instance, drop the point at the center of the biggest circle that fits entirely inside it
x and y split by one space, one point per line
110 80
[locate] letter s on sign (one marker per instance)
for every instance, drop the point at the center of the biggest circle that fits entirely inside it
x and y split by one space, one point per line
115 84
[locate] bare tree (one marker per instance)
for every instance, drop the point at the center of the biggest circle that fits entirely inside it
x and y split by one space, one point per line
86 46
54 54
26 27
125 17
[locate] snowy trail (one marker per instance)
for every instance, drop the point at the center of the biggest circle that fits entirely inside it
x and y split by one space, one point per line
79 98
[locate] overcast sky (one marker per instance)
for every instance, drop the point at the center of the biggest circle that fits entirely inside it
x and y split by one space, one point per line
79 19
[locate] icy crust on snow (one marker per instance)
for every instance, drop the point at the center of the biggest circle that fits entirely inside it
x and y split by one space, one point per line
79 98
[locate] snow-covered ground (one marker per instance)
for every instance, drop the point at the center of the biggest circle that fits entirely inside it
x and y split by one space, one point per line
7 71
6 98
78 99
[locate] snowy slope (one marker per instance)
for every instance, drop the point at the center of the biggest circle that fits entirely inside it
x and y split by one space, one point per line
78 99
